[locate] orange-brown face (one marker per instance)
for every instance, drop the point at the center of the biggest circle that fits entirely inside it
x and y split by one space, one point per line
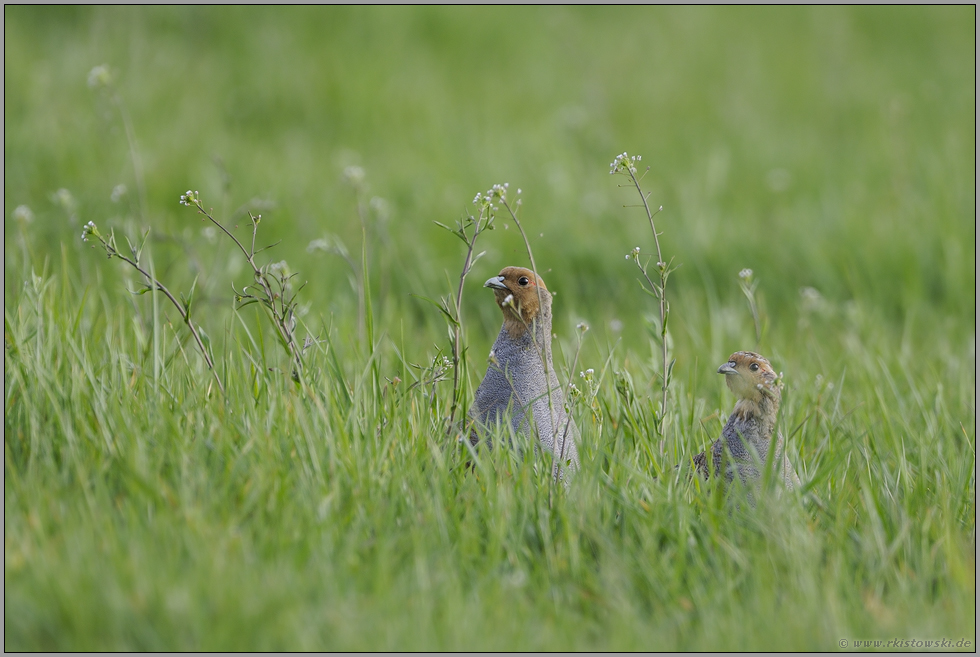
517 292
749 375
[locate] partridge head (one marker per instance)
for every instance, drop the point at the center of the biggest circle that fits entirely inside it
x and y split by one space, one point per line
523 298
752 379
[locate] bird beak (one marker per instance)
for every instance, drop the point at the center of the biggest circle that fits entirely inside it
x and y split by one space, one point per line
727 368
497 283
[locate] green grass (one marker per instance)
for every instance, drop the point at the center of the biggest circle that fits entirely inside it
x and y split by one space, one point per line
828 149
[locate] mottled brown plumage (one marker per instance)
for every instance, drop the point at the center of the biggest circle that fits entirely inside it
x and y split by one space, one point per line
748 432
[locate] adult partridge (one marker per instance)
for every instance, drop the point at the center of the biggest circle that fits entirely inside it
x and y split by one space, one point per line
516 386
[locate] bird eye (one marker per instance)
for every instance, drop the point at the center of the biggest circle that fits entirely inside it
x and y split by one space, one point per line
523 280
754 367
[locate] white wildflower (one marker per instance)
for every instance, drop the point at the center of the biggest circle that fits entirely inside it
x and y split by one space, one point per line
354 175
64 198
190 198
89 229
380 207
497 192
23 214
100 76
623 163
280 268
319 244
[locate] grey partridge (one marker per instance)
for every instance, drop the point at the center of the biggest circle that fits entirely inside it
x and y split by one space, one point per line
747 436
516 386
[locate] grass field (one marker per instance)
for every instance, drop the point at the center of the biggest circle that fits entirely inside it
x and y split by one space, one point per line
830 150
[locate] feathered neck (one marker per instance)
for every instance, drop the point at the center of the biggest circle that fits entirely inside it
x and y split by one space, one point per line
518 321
755 419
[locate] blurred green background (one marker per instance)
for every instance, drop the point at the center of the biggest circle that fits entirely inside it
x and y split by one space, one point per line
823 147
829 149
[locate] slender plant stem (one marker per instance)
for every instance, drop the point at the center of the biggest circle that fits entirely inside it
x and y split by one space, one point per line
365 282
279 314
625 165
184 313
661 297
568 396
458 327
248 256
748 288
543 351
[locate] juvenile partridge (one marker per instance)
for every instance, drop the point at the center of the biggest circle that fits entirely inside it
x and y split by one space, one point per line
748 433
521 373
